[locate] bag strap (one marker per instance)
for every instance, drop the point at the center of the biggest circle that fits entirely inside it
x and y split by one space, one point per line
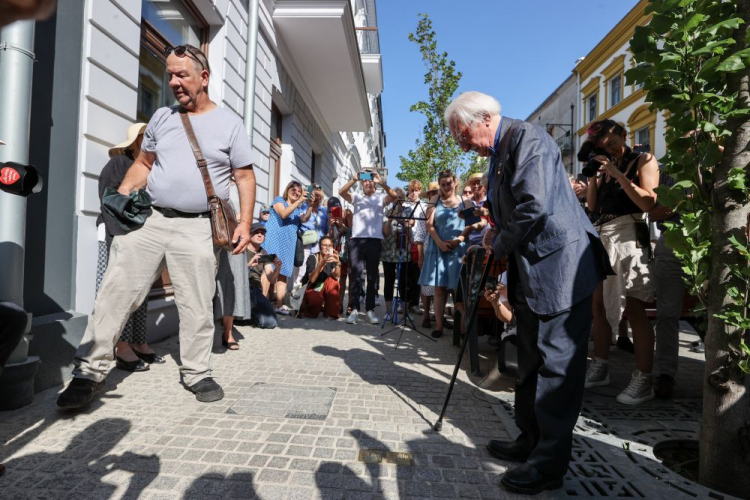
199 159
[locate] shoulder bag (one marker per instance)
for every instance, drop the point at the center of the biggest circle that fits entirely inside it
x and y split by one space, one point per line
223 217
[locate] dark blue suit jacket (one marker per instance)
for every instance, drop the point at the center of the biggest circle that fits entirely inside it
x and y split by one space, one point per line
554 253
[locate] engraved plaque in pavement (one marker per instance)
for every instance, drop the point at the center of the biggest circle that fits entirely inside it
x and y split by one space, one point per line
285 401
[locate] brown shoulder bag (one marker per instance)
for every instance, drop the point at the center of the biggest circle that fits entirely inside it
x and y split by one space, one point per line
223 217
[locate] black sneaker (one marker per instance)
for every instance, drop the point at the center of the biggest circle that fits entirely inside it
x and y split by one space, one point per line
625 344
79 393
663 386
207 390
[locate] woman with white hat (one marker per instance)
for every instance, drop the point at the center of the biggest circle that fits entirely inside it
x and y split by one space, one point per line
132 353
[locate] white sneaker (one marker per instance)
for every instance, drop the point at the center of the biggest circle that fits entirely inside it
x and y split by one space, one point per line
352 317
373 318
597 373
638 391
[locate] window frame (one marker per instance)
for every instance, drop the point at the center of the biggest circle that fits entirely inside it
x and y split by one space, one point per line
591 90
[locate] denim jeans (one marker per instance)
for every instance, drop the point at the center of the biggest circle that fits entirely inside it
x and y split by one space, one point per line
262 312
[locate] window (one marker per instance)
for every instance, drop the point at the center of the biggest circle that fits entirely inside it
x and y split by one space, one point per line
164 23
592 107
312 168
615 90
643 137
274 153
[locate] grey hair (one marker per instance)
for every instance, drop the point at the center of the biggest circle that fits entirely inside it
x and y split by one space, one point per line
470 107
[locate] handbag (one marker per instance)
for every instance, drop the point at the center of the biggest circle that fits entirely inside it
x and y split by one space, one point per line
310 237
299 251
223 217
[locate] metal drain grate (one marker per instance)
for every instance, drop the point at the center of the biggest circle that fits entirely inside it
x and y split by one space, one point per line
602 464
285 401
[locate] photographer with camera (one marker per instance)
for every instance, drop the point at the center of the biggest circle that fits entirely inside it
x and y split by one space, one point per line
283 226
620 194
323 270
263 271
367 238
314 228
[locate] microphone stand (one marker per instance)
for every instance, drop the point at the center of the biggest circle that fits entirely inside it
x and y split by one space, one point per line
404 241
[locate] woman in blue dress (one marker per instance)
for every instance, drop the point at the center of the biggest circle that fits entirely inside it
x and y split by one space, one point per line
281 235
442 259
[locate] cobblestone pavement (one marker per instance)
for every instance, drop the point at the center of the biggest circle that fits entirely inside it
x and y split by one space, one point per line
314 409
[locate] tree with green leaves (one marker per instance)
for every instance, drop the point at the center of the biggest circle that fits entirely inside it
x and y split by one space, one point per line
694 61
435 150
475 164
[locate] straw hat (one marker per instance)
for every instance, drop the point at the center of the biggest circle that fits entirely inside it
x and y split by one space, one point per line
476 176
432 190
134 131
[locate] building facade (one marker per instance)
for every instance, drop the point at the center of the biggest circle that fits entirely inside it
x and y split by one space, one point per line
598 89
313 114
557 115
603 91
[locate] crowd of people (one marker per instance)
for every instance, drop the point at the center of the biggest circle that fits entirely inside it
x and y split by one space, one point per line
578 256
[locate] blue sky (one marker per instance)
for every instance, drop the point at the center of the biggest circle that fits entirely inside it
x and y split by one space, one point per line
518 51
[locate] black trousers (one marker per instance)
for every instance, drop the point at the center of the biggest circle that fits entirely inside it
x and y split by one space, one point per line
412 288
551 374
365 256
12 325
390 271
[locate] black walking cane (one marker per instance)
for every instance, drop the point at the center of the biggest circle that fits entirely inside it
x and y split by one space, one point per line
472 314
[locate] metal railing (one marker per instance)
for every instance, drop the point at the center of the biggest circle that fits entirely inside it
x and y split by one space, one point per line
368 39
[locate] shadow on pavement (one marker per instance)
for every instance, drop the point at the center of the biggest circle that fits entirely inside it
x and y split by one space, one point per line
79 470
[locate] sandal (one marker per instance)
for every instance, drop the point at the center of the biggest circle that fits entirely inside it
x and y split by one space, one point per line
231 346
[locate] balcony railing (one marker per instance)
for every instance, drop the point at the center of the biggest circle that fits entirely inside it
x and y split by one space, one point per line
564 144
368 39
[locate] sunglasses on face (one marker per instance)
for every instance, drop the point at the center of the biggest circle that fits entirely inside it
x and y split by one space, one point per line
185 50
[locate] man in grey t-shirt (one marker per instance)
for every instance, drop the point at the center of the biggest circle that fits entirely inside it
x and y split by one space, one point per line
177 234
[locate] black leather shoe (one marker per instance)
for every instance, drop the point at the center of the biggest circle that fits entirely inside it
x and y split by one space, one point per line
207 390
79 393
510 451
663 386
436 334
130 366
151 358
526 480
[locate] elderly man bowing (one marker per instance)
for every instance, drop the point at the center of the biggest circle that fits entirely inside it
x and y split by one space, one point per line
177 234
555 261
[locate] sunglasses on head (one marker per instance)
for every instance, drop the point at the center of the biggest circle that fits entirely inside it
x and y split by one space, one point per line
185 50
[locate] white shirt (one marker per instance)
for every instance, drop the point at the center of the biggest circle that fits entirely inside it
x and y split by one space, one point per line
368 215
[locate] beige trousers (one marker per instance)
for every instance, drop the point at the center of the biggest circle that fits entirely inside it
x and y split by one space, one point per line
632 276
136 259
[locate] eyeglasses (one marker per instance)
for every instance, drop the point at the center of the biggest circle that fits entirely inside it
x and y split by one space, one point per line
183 50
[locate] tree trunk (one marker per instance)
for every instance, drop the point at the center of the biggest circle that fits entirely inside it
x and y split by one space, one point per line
725 429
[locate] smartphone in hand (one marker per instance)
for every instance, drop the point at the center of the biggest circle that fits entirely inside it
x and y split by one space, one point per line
336 212
468 216
365 176
267 259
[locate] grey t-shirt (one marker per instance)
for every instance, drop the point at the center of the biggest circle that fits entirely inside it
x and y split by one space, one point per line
175 181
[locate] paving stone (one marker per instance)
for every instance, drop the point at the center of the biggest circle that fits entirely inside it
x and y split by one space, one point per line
385 400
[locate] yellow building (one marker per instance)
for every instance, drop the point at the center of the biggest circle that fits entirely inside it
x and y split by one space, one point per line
603 91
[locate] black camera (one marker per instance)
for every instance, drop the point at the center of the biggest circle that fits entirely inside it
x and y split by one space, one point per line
19 179
586 154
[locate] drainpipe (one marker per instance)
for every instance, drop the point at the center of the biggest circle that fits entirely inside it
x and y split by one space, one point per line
16 68
251 58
